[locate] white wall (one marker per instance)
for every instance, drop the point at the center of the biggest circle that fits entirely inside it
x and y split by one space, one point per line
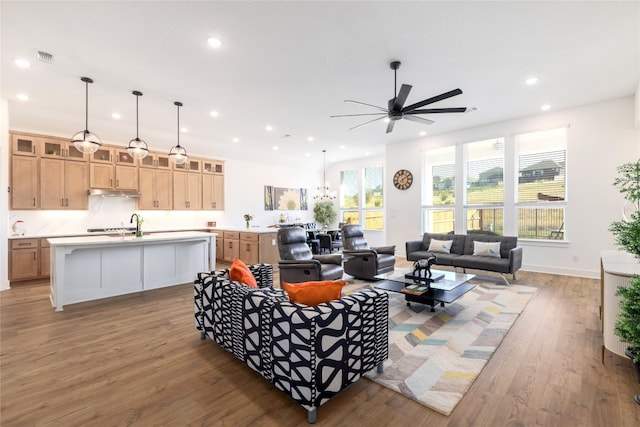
601 136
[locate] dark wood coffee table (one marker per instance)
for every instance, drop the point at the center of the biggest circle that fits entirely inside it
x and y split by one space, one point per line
448 286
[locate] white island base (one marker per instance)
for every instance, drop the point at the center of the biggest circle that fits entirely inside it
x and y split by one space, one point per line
93 267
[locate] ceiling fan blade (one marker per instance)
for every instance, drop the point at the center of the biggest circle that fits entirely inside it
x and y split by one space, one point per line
437 98
390 125
402 97
418 119
362 124
363 114
439 110
368 105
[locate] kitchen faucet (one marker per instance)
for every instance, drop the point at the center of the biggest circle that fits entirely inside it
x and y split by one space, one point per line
137 223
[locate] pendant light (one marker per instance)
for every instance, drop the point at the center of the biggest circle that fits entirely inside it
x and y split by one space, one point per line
85 141
137 148
323 194
178 154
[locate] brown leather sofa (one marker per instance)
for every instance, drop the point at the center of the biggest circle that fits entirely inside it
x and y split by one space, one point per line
361 260
298 264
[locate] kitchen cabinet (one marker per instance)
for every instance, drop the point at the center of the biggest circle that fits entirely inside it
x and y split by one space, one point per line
45 258
219 247
155 189
24 183
61 149
191 165
249 248
187 190
212 192
156 161
113 168
24 259
65 184
231 245
213 166
25 145
252 247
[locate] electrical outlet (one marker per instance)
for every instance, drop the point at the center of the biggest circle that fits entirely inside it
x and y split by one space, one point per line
575 258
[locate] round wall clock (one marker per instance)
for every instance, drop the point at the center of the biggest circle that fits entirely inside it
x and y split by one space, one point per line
402 179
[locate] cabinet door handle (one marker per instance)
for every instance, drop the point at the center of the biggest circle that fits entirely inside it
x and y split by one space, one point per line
34 201
117 183
248 247
111 182
62 202
24 244
34 256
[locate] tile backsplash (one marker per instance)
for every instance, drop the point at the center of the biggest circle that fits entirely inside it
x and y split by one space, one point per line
108 212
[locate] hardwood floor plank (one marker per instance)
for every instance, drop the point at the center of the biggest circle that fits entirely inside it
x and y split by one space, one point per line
138 360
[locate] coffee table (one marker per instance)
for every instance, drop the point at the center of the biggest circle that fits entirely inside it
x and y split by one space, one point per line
447 287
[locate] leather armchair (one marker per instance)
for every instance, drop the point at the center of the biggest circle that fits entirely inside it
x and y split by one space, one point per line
298 264
361 260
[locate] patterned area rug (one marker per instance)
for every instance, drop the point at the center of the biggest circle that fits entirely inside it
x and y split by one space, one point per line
435 357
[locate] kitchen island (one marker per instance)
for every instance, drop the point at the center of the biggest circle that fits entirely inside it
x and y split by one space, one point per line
93 267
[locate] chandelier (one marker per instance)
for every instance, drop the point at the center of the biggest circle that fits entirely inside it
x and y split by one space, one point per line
85 141
323 194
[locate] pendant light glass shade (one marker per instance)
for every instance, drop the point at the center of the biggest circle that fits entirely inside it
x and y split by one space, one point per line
137 148
85 141
178 154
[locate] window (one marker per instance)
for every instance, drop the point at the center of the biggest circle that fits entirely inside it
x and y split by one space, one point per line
484 177
349 197
374 200
353 207
541 187
439 190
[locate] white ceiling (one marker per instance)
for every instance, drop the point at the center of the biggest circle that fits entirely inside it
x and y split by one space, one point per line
292 64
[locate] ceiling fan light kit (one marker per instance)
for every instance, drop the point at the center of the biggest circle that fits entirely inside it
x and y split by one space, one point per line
395 106
137 148
85 141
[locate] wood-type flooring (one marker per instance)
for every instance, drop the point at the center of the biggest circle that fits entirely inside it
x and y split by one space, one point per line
137 360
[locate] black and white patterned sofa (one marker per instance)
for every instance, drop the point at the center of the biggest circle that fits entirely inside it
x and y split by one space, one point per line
310 353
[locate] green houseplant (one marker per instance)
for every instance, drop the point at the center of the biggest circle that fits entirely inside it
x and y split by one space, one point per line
627 231
627 326
324 213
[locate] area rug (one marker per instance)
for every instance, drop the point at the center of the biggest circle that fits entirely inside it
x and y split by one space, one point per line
435 357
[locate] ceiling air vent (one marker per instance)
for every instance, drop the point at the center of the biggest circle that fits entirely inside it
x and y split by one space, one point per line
44 56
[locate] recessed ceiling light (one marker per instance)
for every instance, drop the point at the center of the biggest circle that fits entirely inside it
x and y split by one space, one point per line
276 148
343 147
116 116
310 138
307 154
235 140
531 81
269 128
366 153
22 63
423 133
22 97
213 113
184 130
214 42
545 107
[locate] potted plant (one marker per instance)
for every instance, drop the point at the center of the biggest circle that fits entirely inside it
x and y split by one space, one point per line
627 231
324 213
627 326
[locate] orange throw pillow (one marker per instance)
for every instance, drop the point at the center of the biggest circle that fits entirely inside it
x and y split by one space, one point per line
314 293
239 272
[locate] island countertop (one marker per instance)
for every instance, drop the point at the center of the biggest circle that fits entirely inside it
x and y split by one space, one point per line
127 238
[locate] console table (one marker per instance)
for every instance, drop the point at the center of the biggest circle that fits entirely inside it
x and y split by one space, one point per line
616 270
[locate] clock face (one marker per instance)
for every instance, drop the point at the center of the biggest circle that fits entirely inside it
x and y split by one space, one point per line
402 179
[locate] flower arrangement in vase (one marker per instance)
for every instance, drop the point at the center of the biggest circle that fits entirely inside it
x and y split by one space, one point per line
248 219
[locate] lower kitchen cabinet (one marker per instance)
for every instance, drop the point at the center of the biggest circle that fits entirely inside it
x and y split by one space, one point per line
28 259
252 247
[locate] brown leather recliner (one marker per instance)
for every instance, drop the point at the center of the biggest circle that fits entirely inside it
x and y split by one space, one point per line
298 264
361 260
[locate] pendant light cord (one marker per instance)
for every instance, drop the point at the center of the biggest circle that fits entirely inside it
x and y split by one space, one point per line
86 107
137 137
178 125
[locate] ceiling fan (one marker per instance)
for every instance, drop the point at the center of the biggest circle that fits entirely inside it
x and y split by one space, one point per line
395 106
